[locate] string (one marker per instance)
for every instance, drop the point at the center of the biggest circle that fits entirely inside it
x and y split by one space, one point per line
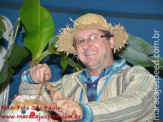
41 87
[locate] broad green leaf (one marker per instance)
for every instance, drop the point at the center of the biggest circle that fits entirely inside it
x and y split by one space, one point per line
53 41
1 33
71 62
8 52
76 65
4 73
10 71
2 27
139 52
1 61
14 57
10 37
157 61
64 63
17 55
39 26
79 66
160 60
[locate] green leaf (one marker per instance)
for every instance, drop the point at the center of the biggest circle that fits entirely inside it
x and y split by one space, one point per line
2 27
71 62
4 73
76 65
39 26
139 52
14 57
17 55
8 52
1 33
53 41
10 45
157 61
79 66
10 71
64 63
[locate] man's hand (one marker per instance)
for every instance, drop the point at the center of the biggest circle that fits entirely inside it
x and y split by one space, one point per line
39 72
69 109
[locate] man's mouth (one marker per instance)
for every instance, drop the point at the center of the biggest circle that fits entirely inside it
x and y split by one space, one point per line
92 53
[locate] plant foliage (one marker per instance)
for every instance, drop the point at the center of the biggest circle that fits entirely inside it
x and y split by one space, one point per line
139 52
39 26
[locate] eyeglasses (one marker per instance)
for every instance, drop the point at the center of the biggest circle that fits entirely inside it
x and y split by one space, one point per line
90 39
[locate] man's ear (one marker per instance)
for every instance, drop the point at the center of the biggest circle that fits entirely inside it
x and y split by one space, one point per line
112 42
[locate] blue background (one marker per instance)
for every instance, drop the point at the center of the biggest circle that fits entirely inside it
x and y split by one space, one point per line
139 17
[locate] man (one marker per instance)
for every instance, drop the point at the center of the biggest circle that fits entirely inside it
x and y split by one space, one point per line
106 90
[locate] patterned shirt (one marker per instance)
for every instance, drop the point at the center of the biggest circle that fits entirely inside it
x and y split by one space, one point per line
92 85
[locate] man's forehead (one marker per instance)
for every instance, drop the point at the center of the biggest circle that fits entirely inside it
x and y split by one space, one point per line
83 33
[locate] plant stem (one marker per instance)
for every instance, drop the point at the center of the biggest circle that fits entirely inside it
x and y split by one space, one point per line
16 29
49 51
42 56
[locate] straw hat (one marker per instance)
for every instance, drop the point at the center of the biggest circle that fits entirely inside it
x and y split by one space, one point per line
90 21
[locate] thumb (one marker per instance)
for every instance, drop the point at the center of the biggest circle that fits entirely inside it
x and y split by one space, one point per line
57 95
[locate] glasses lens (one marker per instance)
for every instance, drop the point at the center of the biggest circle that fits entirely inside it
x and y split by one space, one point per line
91 38
79 41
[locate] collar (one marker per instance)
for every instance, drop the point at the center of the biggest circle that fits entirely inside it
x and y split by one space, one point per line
85 77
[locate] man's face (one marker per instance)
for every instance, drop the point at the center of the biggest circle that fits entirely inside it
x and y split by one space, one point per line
94 54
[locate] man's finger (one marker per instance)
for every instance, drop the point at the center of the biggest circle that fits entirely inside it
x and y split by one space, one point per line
57 95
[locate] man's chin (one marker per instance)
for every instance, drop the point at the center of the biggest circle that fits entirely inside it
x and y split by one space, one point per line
91 65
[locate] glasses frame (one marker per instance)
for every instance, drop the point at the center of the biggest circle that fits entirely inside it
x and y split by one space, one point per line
99 37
